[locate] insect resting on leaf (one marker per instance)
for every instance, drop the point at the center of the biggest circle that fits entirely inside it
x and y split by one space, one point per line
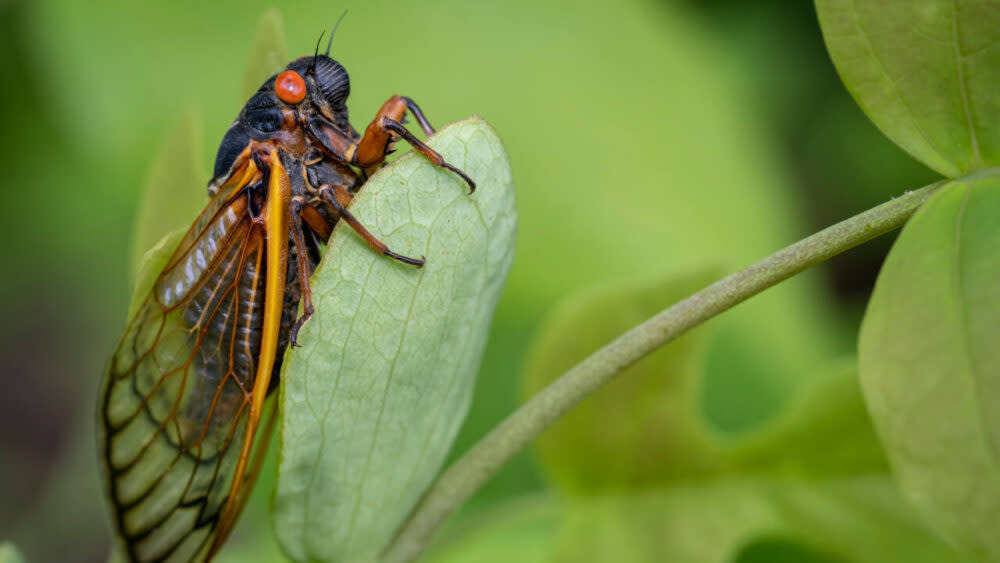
184 394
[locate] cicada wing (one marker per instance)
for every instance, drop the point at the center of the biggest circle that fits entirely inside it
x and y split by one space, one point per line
176 401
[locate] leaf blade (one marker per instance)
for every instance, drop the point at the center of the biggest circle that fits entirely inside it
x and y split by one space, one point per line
928 361
378 390
924 72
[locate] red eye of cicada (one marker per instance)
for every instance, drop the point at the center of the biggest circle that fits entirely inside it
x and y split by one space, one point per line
290 87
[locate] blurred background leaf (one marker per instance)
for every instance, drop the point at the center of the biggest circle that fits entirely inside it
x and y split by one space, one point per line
9 553
269 53
811 486
643 428
173 194
647 138
848 519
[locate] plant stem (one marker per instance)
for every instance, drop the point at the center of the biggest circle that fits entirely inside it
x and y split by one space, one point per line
485 458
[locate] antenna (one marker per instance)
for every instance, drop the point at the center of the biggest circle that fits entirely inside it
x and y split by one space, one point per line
334 30
312 67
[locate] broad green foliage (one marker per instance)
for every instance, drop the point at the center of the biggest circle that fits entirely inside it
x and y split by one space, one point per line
268 55
648 480
519 530
849 519
930 361
175 192
9 553
374 397
826 432
814 479
642 428
925 71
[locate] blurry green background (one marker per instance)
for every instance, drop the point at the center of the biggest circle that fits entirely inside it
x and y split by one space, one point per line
648 139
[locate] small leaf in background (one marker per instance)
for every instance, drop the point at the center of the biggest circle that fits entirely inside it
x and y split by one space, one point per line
777 491
175 191
269 54
825 432
925 72
373 399
643 427
149 268
844 519
520 529
930 361
9 553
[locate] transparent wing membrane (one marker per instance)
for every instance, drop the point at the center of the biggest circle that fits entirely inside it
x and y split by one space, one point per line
177 396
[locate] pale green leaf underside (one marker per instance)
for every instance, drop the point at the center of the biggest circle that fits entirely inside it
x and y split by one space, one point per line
925 71
930 363
372 400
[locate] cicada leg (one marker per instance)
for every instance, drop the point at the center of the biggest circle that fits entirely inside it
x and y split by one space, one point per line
373 146
419 114
300 215
333 195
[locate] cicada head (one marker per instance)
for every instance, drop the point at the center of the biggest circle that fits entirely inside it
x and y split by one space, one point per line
314 86
330 77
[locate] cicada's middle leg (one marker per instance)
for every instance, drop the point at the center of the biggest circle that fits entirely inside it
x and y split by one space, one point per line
303 215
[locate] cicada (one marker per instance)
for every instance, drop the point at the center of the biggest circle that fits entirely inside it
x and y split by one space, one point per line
183 400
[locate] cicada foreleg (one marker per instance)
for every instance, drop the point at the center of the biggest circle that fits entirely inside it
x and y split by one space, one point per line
301 213
419 114
338 197
371 150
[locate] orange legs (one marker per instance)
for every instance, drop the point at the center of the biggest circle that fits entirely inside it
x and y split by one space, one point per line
371 150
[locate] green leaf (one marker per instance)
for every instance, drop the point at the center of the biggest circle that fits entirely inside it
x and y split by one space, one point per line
175 191
643 427
825 432
847 519
374 397
9 553
519 530
813 480
647 428
925 72
149 268
724 519
930 363
269 54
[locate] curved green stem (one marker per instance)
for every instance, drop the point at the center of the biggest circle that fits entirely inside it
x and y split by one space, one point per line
485 458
